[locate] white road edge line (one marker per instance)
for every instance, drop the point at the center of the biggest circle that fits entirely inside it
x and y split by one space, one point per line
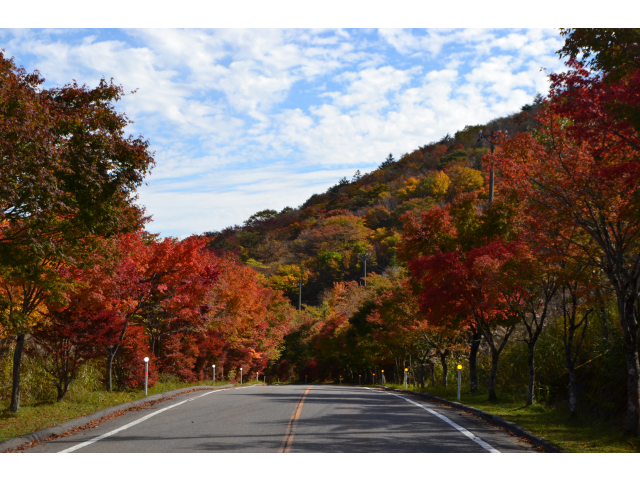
462 430
140 420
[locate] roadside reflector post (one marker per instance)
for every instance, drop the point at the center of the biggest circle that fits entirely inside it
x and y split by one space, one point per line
406 372
459 371
382 378
359 379
340 379
240 375
374 378
214 375
146 375
305 379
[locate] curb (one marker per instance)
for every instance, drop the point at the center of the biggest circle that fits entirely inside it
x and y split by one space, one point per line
510 427
79 422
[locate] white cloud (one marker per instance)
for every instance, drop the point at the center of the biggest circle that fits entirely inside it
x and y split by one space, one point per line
243 120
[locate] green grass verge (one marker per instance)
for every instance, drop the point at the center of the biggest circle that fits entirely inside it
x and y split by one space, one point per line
581 434
78 402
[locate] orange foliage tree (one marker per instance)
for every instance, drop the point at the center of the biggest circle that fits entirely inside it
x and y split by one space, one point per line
580 180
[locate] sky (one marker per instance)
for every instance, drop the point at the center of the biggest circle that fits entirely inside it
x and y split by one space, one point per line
242 120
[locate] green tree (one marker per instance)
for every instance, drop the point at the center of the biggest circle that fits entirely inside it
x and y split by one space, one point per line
68 176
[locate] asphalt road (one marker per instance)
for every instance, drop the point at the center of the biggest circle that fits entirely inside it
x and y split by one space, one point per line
290 419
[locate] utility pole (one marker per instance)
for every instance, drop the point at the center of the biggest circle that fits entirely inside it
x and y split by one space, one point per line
299 284
492 139
364 256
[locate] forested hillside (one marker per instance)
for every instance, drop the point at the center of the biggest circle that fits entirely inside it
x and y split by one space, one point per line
323 240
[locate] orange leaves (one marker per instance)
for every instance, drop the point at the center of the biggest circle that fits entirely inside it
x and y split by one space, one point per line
427 234
246 313
565 188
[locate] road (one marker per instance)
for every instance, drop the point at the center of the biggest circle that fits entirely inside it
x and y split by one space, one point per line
290 419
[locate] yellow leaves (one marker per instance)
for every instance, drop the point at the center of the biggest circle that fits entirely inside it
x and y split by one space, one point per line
441 184
433 185
465 179
412 182
409 189
287 278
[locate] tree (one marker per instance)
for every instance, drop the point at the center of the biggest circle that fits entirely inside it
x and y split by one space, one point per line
530 281
249 317
67 168
456 256
574 287
68 175
464 179
71 338
603 112
469 286
159 285
387 161
614 51
584 185
25 285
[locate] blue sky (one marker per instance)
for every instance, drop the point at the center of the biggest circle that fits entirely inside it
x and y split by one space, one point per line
247 119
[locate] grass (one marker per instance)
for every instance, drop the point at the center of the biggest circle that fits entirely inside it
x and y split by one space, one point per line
581 434
34 416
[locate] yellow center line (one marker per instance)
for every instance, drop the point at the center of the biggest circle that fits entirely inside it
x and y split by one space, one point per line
291 428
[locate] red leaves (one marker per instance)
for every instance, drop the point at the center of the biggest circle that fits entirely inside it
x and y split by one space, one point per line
604 113
171 301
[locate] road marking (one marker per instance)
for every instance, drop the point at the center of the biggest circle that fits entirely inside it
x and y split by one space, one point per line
140 420
291 428
462 430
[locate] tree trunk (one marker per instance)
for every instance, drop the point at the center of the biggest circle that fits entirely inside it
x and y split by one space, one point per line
445 367
433 374
62 389
60 392
532 372
473 360
15 388
630 334
568 355
63 386
573 392
605 323
632 419
495 356
111 353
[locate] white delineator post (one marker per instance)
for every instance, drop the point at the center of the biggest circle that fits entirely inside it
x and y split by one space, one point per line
459 372
146 375
240 375
406 370
214 374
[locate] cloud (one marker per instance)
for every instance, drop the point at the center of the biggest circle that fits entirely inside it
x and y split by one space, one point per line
247 119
